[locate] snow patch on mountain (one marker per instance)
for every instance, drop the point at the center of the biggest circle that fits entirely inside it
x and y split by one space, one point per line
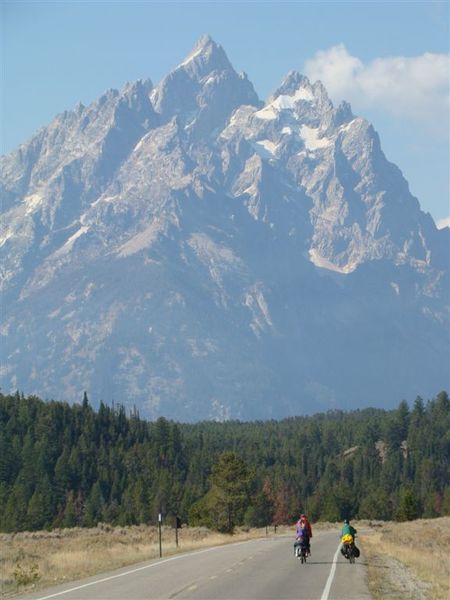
323 263
265 148
255 301
142 240
312 140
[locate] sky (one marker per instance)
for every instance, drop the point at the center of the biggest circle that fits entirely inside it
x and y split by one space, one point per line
390 60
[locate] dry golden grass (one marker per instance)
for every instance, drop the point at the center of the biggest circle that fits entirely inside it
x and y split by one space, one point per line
41 559
409 560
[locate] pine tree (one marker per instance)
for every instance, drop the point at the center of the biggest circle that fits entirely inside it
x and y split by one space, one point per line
225 504
70 516
40 506
94 506
407 508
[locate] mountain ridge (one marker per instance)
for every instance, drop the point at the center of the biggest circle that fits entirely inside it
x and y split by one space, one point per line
189 248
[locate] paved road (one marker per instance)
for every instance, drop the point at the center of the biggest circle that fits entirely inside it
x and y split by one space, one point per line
263 569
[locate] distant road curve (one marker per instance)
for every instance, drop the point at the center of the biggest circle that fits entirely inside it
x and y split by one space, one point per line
263 569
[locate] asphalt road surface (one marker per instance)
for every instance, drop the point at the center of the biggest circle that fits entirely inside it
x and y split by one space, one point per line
264 569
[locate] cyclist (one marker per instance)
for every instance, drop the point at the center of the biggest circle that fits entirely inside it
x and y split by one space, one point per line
347 530
304 530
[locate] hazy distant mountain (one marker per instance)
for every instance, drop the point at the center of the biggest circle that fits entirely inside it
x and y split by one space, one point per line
193 251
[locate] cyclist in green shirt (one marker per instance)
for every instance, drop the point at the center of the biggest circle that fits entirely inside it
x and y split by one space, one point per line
348 529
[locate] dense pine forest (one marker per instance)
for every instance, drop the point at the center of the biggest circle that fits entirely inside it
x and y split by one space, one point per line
62 466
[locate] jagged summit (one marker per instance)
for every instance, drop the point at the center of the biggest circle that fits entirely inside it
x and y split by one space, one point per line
205 56
204 88
195 252
141 85
298 99
293 82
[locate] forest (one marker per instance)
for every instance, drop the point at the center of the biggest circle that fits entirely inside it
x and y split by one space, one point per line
67 465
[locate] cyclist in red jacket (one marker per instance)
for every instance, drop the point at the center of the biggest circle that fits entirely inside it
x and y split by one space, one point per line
303 523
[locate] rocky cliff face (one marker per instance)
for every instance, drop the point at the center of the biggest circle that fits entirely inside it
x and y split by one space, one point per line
195 252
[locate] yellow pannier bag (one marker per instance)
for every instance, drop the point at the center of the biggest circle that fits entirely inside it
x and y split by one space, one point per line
347 538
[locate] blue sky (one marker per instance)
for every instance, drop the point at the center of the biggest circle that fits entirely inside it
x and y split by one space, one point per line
389 59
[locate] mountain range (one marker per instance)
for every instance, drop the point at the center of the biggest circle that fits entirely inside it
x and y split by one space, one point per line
197 253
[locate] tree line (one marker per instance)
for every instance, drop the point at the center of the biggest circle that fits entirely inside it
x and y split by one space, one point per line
65 466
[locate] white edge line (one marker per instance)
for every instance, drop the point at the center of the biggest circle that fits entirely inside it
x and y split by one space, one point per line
155 564
326 590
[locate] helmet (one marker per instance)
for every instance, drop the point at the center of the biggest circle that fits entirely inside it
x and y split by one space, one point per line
346 522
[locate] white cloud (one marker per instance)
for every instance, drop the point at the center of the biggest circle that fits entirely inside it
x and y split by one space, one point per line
443 223
415 87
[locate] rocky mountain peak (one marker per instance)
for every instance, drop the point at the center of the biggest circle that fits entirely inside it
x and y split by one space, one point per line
203 90
299 88
205 57
291 83
141 87
189 250
343 114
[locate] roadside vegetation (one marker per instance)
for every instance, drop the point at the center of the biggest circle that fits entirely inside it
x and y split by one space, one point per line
408 560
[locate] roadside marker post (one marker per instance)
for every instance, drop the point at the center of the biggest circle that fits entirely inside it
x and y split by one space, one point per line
159 530
177 525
